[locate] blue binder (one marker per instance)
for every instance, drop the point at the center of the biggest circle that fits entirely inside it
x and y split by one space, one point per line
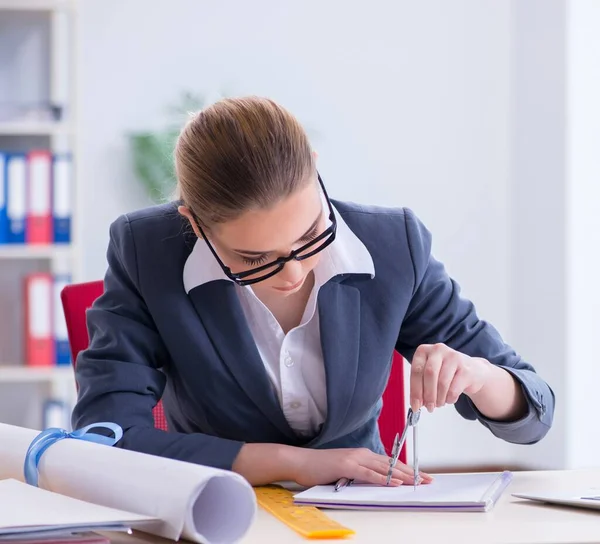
3 191
61 338
61 197
55 414
16 197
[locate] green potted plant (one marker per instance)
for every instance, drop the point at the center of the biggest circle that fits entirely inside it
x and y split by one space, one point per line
152 151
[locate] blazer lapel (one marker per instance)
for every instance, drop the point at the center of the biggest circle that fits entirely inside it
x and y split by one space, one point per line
339 322
218 307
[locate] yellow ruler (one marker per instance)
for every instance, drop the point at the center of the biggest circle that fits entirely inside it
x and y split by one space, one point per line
308 521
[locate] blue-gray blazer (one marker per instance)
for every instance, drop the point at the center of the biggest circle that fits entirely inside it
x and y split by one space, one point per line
150 340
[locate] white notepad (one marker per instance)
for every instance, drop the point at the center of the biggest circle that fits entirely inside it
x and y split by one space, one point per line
473 492
25 509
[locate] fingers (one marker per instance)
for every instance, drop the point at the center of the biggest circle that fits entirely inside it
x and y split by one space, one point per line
446 376
366 466
399 472
418 363
406 474
401 475
374 469
431 373
437 377
425 478
372 476
458 385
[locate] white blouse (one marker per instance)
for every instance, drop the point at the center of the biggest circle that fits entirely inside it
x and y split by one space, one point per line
293 361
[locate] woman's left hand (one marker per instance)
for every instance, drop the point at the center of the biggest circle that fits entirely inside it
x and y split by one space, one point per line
439 375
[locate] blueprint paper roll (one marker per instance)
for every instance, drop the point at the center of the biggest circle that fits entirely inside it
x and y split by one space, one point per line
198 503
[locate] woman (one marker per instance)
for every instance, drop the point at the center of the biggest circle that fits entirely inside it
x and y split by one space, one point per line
265 316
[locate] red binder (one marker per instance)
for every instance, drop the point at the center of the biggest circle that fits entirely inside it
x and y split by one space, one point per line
39 344
39 197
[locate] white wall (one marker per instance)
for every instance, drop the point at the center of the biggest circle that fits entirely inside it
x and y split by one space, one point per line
411 103
583 231
555 196
536 214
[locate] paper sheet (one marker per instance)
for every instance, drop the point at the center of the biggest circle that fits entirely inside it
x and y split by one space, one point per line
24 508
198 503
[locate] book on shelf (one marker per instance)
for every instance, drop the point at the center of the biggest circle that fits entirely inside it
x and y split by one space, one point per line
35 197
46 340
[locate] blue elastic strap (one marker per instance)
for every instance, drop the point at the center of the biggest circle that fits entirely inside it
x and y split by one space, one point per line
50 436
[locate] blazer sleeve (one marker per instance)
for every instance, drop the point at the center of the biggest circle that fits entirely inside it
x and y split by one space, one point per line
119 375
437 313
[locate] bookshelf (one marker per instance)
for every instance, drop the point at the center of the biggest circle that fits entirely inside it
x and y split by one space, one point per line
34 5
12 374
34 128
37 111
49 252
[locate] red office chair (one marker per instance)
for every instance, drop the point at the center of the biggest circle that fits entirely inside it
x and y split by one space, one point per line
77 298
393 414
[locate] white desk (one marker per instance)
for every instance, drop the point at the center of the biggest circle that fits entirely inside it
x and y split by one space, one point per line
511 521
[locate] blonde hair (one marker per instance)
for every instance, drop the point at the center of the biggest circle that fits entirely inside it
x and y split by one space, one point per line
240 154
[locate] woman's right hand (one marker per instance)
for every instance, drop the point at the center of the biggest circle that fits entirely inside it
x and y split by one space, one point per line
322 466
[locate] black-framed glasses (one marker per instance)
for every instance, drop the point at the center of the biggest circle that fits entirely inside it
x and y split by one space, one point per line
265 271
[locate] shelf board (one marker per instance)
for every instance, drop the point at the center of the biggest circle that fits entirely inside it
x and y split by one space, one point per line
20 251
29 374
33 128
34 5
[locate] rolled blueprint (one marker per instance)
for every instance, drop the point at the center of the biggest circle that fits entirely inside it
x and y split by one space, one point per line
201 504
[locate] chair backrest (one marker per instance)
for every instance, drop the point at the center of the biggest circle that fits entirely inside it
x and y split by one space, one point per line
77 298
392 418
